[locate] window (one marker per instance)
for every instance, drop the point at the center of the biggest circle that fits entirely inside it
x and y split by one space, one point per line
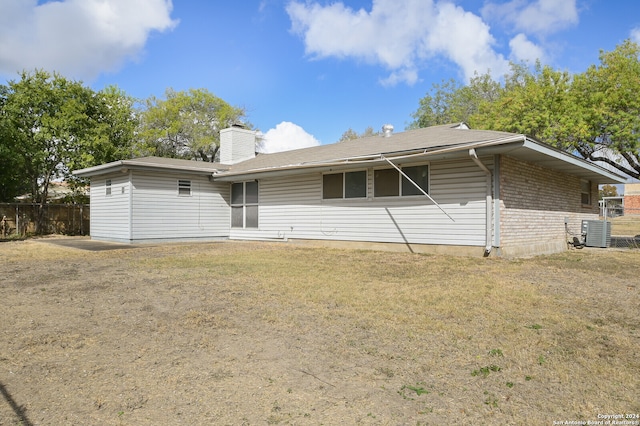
107 186
244 204
184 187
585 191
344 185
390 183
420 176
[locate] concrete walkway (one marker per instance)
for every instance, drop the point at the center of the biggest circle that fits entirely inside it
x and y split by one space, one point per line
85 243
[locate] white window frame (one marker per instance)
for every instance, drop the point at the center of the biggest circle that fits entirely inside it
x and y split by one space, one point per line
245 206
184 187
107 187
344 185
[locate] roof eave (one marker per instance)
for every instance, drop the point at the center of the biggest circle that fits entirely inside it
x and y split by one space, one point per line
555 159
124 166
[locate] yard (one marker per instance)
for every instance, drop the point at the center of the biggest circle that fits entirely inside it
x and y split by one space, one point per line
273 333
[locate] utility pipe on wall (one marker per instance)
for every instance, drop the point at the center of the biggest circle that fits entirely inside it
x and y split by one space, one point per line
489 199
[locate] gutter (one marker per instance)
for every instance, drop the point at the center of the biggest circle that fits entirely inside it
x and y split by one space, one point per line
364 159
489 201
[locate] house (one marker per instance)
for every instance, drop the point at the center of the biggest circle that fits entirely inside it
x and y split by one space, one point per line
631 199
447 189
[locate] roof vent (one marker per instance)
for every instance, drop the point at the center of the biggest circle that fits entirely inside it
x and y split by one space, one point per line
387 130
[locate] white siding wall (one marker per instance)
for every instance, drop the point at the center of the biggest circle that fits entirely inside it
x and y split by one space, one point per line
160 213
110 213
293 208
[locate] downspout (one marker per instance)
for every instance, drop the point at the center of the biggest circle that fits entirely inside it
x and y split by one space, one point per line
489 202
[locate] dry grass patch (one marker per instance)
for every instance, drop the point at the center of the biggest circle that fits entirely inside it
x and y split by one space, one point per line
625 225
257 332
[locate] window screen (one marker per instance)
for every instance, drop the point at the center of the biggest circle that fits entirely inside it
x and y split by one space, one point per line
332 186
237 216
237 193
355 184
419 175
585 190
386 183
251 192
244 204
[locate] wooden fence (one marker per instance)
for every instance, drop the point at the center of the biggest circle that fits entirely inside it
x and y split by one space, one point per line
67 219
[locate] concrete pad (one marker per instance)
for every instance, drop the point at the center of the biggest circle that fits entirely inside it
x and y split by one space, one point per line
85 243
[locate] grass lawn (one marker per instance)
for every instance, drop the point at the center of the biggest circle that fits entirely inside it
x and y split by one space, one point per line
625 225
261 333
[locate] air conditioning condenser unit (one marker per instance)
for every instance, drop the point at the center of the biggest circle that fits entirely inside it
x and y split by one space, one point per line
597 233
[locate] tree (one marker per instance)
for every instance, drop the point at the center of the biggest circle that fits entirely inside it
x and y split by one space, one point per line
451 102
595 114
537 103
607 125
608 191
51 125
351 134
186 124
13 180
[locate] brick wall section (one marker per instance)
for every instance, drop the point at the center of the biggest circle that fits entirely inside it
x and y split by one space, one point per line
632 199
631 205
534 202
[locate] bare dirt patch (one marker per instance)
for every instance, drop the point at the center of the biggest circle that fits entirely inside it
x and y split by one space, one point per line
257 333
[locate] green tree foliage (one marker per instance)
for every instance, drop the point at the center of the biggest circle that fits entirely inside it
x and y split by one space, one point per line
608 191
186 124
451 102
595 114
351 134
50 125
13 182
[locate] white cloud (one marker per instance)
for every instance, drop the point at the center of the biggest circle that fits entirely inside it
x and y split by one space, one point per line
286 136
78 38
523 50
635 35
465 39
401 36
540 17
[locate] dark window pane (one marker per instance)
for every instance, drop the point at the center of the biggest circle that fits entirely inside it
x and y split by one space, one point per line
236 216
237 193
355 184
251 189
385 183
585 188
418 174
184 187
332 186
252 216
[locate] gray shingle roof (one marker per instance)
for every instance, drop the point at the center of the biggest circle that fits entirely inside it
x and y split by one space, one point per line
429 138
430 141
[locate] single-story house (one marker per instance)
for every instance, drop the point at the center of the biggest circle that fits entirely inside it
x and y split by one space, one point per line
445 188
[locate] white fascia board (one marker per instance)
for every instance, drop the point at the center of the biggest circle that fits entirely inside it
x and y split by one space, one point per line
100 169
573 160
124 165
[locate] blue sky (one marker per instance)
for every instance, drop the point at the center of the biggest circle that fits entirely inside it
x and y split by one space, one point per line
305 71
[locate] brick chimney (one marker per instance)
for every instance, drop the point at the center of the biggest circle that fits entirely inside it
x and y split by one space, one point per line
237 144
